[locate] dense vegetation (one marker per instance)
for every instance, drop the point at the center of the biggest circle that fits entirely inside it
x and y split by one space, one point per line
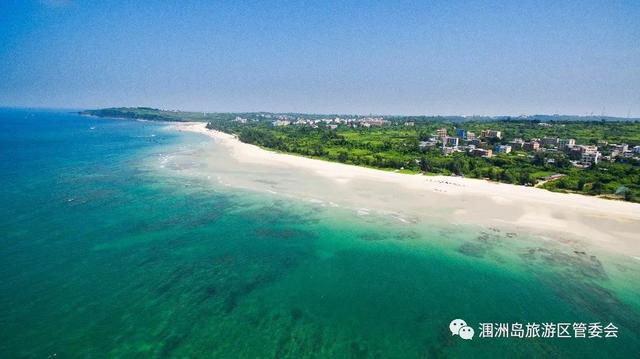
613 180
395 146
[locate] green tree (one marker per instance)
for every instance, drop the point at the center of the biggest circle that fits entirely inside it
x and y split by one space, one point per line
629 196
343 156
596 187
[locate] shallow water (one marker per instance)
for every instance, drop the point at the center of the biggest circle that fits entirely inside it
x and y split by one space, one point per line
120 240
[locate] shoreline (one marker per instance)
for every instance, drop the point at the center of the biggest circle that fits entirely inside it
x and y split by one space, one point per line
606 223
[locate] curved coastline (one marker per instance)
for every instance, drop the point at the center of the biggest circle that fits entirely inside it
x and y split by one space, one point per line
609 224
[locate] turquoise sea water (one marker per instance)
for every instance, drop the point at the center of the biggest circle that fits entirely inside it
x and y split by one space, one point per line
103 255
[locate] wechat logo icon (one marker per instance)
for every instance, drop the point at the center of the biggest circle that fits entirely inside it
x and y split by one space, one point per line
459 327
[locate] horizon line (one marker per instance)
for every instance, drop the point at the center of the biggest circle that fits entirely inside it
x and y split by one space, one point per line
39 107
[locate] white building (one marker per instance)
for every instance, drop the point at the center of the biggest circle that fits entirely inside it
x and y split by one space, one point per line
566 143
590 158
503 149
427 144
281 123
451 141
621 148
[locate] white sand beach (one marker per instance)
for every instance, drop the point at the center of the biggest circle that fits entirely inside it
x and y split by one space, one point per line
614 225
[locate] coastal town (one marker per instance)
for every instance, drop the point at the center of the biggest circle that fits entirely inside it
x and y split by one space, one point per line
490 142
487 143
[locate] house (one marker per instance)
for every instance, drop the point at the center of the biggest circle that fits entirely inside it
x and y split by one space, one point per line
478 143
516 144
566 143
590 158
491 134
281 123
451 141
531 146
620 148
576 152
502 149
427 144
470 136
480 152
586 149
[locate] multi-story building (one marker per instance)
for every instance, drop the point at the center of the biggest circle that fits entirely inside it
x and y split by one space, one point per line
470 136
590 158
451 141
588 149
516 144
502 149
531 146
461 133
620 148
480 152
491 134
550 141
441 133
577 151
566 143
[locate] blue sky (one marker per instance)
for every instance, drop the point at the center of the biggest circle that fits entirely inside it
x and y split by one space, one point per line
386 57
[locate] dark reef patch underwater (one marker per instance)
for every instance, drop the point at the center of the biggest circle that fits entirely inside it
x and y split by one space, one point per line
103 255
